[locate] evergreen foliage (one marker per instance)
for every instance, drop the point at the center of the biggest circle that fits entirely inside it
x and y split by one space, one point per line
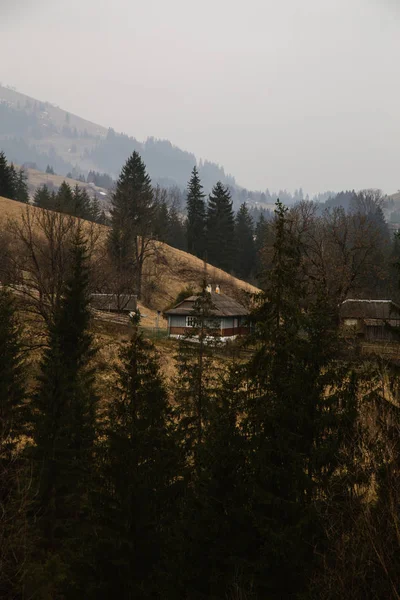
64 433
141 469
196 216
132 216
220 229
244 242
7 179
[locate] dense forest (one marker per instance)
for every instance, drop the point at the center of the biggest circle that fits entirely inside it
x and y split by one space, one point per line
264 468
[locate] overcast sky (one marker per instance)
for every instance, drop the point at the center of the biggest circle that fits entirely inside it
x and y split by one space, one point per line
282 93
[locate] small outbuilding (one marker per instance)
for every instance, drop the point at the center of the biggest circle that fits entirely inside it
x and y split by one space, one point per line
228 315
374 320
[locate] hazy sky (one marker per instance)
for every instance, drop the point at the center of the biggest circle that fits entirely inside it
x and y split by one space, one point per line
282 93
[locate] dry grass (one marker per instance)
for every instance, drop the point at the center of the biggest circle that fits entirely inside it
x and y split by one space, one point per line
167 270
38 178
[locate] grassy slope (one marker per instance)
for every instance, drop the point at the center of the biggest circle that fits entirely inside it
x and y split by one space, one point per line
169 270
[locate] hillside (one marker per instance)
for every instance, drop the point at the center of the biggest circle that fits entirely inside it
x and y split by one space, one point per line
37 132
168 271
38 178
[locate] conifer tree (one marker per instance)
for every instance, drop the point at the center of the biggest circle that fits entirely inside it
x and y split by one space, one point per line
220 228
43 198
196 382
65 201
244 241
141 472
13 546
11 376
296 419
7 180
21 187
217 526
64 432
132 216
196 216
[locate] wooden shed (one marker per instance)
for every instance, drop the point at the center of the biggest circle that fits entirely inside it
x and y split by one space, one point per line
229 315
374 320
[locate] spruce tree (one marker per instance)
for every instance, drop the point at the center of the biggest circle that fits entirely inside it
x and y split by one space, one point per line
220 228
244 241
21 187
65 201
132 221
64 432
197 375
7 180
217 532
196 216
43 198
296 419
14 481
141 470
11 377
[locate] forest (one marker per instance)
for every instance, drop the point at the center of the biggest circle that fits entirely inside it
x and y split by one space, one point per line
264 468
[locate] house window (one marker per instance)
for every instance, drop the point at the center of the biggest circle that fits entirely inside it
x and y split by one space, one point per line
191 322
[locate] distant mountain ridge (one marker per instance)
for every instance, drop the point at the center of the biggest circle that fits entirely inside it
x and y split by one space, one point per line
40 133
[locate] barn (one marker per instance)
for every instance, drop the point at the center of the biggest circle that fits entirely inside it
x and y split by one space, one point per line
373 320
229 316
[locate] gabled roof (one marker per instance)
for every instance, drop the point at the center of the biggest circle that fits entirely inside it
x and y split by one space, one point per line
369 309
224 306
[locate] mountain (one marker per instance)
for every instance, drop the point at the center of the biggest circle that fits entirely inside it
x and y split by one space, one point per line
39 134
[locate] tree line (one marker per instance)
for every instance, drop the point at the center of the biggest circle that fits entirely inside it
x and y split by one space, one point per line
268 470
13 182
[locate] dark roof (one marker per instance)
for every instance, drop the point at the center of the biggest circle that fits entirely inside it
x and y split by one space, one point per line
369 309
224 306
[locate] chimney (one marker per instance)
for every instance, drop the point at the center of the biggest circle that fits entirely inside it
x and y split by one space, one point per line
209 289
217 289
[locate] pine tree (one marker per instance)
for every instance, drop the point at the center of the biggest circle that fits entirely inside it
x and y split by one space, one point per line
296 420
132 216
244 241
44 199
7 180
21 187
220 228
196 382
64 432
65 201
196 216
141 471
217 532
13 486
11 377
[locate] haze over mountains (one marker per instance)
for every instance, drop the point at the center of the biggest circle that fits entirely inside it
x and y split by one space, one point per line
40 134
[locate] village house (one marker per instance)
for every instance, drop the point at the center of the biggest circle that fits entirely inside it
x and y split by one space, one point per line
373 320
229 317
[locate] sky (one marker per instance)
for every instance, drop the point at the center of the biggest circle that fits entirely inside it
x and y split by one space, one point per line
282 93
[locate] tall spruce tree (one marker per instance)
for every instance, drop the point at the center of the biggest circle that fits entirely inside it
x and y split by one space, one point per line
196 216
220 228
11 377
44 198
7 180
197 377
245 244
13 479
296 420
132 221
141 471
217 532
21 187
64 432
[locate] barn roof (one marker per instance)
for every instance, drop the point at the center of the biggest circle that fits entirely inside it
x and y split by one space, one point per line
369 309
224 306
